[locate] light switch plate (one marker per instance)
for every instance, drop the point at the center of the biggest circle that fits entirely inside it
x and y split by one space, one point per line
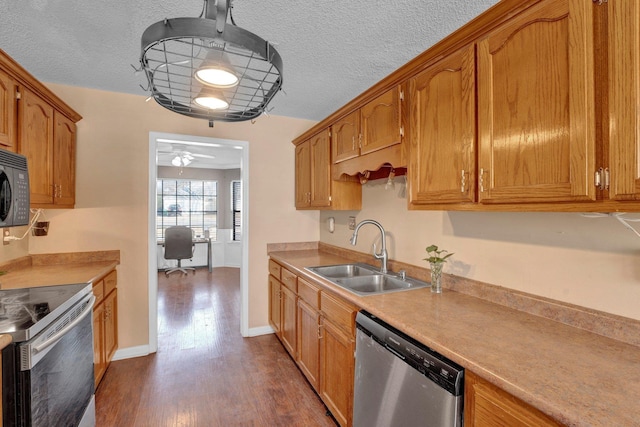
352 223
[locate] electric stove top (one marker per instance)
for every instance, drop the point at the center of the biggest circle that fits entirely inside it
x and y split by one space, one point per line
25 312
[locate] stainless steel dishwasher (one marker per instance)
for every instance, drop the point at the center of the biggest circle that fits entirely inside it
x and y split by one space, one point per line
400 382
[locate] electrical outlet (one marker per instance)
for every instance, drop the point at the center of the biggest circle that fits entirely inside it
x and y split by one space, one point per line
352 223
5 233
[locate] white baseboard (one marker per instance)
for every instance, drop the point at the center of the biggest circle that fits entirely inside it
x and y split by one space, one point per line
131 352
262 330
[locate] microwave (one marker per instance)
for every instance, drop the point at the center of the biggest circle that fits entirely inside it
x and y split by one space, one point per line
14 189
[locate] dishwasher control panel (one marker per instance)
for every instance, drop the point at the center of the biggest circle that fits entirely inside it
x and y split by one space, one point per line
442 371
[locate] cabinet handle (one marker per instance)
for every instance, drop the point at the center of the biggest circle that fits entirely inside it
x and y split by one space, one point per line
481 180
463 181
353 142
319 332
600 2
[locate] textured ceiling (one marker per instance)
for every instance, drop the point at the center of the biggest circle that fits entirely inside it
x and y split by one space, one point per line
332 50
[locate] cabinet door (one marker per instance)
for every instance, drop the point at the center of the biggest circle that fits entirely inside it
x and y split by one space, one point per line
309 342
345 138
8 118
274 304
110 325
36 143
64 155
536 106
337 365
380 122
442 135
99 361
624 93
488 406
289 311
303 175
320 170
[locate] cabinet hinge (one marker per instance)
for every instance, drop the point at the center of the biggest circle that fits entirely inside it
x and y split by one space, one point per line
401 95
601 179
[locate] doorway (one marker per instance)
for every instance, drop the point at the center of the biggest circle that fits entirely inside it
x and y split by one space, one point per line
207 147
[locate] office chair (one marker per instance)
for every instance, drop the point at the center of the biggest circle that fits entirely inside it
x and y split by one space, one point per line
178 245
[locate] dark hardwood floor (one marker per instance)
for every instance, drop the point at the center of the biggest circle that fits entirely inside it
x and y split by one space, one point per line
205 373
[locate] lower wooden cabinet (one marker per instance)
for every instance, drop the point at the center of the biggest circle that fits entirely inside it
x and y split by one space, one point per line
309 343
105 324
289 323
489 406
336 370
324 343
274 305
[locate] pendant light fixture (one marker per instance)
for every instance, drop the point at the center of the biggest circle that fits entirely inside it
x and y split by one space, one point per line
209 68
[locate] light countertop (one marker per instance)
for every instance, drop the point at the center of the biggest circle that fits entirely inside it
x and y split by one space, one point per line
575 376
57 269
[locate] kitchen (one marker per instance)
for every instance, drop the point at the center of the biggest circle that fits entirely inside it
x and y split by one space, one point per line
590 262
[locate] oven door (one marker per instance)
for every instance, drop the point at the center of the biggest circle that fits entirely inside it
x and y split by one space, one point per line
55 384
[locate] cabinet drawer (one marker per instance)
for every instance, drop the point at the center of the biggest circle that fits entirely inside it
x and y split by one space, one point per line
274 269
309 293
289 279
110 282
98 291
338 311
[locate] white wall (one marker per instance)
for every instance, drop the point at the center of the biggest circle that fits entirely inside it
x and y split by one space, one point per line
593 263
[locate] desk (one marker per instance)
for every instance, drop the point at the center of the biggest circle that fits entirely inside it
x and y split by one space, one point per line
198 240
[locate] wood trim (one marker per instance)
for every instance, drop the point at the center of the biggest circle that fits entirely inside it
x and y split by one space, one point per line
24 78
467 34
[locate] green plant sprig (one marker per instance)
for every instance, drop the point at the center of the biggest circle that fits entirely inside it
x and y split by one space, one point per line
436 255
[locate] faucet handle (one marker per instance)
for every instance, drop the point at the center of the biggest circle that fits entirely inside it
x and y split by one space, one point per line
402 274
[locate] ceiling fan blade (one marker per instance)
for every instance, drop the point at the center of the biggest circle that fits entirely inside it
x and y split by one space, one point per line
204 156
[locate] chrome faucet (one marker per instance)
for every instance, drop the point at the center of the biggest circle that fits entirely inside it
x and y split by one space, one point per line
383 251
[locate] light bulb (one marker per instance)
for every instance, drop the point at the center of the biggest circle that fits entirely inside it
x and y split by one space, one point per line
211 99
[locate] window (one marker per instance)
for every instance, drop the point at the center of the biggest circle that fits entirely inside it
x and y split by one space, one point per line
187 202
236 209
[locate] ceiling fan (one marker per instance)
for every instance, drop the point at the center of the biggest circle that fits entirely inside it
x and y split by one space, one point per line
182 158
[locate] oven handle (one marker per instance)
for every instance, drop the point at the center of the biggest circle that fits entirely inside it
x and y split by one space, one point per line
57 337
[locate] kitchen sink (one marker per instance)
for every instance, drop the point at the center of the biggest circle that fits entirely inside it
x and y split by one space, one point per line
344 270
364 279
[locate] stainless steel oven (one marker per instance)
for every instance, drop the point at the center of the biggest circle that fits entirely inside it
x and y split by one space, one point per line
48 370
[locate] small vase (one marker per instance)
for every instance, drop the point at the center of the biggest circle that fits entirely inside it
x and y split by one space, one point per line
436 277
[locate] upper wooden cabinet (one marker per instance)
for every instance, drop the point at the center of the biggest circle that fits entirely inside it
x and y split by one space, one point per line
536 118
624 96
369 136
442 132
36 143
8 123
314 187
64 161
345 138
380 122
36 123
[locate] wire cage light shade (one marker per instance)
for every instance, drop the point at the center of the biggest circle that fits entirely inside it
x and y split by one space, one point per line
180 56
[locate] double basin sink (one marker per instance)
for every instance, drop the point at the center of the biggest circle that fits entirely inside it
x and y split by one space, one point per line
365 279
